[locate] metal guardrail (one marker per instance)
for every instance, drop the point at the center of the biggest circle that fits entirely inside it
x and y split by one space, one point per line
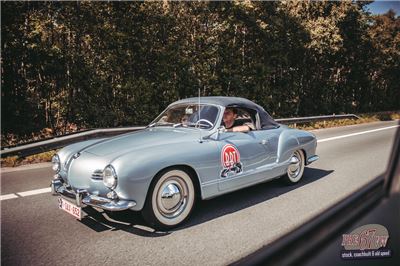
59 142
36 147
315 118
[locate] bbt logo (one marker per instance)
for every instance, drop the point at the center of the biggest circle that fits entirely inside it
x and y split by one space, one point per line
230 160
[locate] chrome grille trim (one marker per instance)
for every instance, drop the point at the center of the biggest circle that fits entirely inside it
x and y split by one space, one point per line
97 174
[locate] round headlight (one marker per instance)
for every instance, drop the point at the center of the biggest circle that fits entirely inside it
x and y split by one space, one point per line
56 163
109 177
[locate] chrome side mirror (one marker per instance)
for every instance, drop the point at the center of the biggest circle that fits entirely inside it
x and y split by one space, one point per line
221 129
215 134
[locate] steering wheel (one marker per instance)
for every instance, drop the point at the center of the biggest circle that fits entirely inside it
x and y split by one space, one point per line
203 120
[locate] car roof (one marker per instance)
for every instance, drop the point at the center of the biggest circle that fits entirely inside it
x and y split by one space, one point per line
266 120
219 100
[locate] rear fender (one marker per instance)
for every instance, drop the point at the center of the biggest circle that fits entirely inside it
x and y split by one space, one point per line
287 144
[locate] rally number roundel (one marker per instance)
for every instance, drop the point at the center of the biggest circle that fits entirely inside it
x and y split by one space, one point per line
230 156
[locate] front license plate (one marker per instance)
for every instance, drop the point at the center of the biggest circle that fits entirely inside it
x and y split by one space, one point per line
70 208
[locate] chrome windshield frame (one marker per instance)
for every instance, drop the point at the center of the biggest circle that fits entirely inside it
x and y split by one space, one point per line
218 117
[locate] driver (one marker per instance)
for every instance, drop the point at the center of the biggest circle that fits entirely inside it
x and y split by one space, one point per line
231 124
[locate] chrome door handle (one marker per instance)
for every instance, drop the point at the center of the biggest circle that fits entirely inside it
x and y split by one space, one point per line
264 141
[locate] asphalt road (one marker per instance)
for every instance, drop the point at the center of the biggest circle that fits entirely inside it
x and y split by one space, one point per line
34 231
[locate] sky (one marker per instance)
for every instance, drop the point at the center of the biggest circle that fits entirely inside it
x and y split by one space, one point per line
380 7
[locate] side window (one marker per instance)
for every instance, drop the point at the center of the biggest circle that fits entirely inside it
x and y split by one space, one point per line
244 117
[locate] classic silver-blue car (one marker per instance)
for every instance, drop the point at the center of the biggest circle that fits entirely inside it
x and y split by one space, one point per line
187 153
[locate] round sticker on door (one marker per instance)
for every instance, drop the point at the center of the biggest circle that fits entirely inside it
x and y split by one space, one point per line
230 160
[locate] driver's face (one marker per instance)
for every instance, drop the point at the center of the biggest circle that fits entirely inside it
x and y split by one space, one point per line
229 116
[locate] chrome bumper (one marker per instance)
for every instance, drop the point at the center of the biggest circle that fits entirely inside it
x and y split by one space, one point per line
81 196
312 159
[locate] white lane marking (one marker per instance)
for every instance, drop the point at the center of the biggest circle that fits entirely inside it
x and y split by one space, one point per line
25 193
33 192
356 134
8 196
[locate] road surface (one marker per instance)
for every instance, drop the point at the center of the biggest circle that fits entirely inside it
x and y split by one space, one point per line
222 230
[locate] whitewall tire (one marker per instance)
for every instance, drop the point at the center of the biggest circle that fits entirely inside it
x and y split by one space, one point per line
296 167
170 199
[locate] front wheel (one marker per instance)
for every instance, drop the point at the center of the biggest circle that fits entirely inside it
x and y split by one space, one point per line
170 199
296 168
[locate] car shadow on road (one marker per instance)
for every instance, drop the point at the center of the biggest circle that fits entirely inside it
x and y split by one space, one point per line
242 199
132 222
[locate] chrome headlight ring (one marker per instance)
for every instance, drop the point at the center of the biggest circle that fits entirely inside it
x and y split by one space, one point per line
110 177
55 160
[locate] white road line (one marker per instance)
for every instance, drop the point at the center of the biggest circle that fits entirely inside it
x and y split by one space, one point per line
33 192
8 196
356 134
25 193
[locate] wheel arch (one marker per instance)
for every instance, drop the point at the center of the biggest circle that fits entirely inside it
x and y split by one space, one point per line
184 167
305 155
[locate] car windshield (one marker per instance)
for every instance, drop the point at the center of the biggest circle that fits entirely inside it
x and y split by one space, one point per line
188 115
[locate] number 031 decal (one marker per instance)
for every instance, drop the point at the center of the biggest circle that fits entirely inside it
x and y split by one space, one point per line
230 160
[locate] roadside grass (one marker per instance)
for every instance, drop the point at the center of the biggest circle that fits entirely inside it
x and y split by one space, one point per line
364 118
14 161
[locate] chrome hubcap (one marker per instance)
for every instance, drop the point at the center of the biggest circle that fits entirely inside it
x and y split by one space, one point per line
295 165
172 197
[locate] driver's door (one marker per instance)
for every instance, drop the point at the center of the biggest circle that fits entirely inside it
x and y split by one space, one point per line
243 157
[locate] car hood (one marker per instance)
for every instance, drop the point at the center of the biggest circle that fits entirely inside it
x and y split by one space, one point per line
146 138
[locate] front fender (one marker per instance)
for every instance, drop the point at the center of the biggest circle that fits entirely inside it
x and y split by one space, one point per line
137 169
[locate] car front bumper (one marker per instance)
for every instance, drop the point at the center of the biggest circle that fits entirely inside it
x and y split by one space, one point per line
82 197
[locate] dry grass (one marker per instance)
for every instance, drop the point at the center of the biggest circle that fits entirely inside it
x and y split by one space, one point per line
14 161
364 118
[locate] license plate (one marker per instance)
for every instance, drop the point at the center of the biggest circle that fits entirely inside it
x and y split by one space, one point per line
70 208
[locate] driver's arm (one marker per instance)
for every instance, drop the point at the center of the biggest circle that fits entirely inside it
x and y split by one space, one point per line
243 128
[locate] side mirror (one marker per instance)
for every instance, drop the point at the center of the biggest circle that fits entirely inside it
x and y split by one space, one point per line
215 134
221 129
